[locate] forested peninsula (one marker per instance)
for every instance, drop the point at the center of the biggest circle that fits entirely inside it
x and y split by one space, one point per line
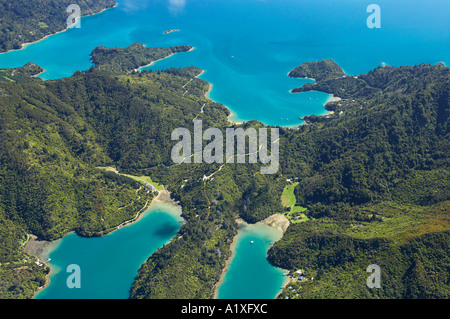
25 21
373 178
119 60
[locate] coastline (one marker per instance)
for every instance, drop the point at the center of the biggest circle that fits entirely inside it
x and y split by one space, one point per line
330 99
40 249
286 281
24 45
210 86
232 121
208 97
227 262
298 77
280 223
37 75
153 62
277 222
333 98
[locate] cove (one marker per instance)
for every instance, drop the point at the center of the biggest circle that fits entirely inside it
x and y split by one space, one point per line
249 275
109 264
248 47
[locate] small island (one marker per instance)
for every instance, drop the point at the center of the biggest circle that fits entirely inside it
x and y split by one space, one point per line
171 30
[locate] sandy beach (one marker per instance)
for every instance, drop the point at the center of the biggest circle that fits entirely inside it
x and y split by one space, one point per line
153 62
36 75
333 99
210 86
38 248
208 97
231 121
277 221
163 197
281 223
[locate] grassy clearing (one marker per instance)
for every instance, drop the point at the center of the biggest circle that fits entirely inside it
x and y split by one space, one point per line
402 222
295 214
287 197
140 179
42 25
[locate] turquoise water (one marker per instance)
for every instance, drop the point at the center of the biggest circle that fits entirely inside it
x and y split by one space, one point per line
249 274
109 264
248 47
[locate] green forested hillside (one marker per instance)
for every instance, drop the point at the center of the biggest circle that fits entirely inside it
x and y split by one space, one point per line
25 21
373 177
123 60
319 71
373 144
55 133
26 73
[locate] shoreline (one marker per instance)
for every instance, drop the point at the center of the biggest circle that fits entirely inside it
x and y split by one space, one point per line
277 222
227 262
37 75
235 122
286 281
24 45
332 98
280 223
40 249
139 69
210 87
208 97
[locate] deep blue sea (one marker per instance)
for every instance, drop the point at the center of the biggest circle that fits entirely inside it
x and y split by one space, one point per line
246 47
